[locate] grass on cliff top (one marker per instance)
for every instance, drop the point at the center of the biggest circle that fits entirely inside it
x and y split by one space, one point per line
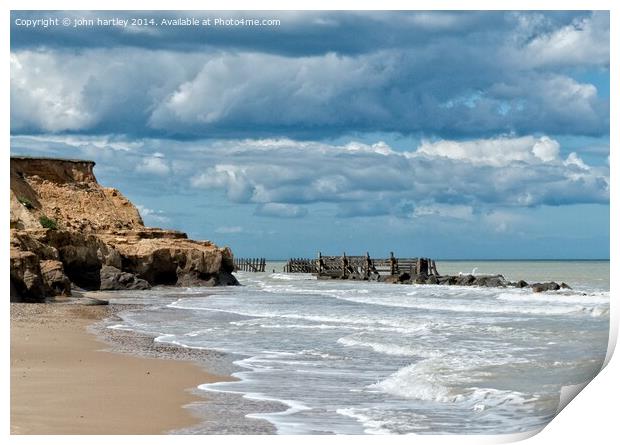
48 223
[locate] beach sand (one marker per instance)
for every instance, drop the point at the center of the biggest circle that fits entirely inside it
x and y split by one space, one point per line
63 381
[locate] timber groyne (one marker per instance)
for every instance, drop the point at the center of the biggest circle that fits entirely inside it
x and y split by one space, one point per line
392 269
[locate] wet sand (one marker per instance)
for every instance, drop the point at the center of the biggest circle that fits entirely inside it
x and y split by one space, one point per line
64 381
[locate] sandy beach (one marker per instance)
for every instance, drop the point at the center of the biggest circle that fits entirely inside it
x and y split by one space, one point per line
64 381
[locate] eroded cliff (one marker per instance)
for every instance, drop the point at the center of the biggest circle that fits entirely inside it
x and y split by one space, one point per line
67 229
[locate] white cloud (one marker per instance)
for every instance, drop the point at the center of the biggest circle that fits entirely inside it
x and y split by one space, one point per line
154 165
510 171
152 216
280 210
546 149
585 41
497 152
39 96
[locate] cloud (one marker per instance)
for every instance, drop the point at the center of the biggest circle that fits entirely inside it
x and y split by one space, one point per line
154 165
584 41
497 152
280 210
460 212
439 74
151 216
283 178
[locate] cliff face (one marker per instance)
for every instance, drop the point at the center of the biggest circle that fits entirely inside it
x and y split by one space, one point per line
66 228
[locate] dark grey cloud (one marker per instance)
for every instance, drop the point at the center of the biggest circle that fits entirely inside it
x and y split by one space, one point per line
300 33
450 74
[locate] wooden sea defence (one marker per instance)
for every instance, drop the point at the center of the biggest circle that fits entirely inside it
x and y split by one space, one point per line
402 271
361 267
250 264
365 267
301 265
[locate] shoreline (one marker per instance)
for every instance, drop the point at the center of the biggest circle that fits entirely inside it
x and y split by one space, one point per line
66 379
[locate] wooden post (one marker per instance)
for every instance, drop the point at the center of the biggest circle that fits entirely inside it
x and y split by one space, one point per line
344 265
368 266
392 264
434 268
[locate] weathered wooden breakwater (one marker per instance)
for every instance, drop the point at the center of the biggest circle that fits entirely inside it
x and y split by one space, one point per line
250 264
400 270
300 265
367 268
361 267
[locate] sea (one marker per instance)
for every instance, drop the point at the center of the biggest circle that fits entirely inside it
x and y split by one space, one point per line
352 357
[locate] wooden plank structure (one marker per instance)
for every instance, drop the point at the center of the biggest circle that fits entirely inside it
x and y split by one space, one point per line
300 265
250 264
361 267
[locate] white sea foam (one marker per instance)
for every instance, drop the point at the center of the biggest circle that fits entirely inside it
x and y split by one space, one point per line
389 349
371 426
458 305
371 357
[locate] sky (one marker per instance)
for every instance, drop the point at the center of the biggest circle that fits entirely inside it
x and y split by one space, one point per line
451 135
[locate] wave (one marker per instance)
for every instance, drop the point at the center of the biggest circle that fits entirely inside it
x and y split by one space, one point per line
473 306
595 298
389 349
290 277
369 322
444 377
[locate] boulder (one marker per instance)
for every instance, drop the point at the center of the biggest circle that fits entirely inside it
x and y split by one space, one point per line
432 280
420 278
544 287
26 282
54 278
521 284
112 278
388 279
491 281
404 277
465 280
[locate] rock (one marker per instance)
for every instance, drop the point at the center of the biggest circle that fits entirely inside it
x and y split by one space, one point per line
388 279
543 287
54 278
404 277
538 287
26 281
112 278
496 282
565 286
90 301
100 241
465 280
521 284
432 280
491 281
420 279
443 279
